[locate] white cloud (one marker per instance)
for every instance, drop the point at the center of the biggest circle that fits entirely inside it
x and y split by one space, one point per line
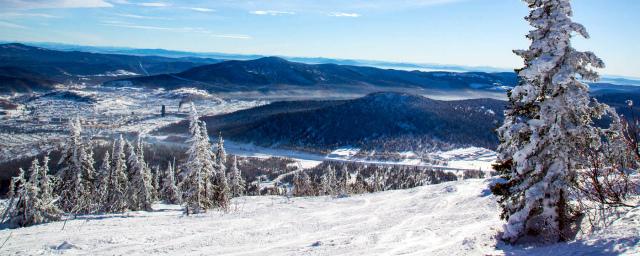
272 13
154 4
26 14
52 4
344 14
141 17
7 24
174 29
199 9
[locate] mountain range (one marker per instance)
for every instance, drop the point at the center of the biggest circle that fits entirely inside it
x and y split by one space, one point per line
63 66
273 71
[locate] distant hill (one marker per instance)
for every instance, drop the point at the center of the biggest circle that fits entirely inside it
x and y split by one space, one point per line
378 119
18 80
273 71
65 66
375 118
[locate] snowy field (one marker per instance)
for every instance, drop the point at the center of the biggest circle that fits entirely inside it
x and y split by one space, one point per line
41 121
455 218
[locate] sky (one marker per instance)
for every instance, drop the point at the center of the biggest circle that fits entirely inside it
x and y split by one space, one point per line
460 32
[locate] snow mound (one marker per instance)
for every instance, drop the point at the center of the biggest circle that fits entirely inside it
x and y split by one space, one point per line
65 246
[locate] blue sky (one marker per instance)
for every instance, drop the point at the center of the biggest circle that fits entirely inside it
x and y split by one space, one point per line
462 32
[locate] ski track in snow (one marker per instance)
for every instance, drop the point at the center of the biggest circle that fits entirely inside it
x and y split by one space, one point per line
454 218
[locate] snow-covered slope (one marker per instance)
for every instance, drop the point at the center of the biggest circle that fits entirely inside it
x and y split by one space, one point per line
456 218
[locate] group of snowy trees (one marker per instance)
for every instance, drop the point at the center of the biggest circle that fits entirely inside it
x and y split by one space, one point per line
123 181
550 147
206 184
340 179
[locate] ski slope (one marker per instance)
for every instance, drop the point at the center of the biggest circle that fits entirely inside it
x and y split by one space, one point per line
455 218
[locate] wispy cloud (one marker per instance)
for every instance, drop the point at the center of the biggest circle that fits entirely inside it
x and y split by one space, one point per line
141 17
272 13
199 9
7 24
344 14
175 29
54 4
154 4
27 14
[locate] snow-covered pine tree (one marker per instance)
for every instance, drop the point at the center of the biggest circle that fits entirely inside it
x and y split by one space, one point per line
359 186
90 199
210 165
32 206
46 209
222 191
549 117
45 185
297 184
118 181
221 154
102 180
140 189
222 194
26 212
170 192
307 184
236 180
329 181
155 183
14 195
344 181
195 196
74 197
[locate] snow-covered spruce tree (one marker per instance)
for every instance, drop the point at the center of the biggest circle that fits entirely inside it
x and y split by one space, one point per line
75 198
118 182
102 180
222 191
14 195
140 188
297 184
155 183
221 154
45 186
329 181
195 196
210 165
170 192
32 207
344 181
236 180
549 117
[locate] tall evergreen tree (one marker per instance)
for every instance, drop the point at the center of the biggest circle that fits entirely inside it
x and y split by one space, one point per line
102 180
118 180
221 154
548 119
328 181
32 203
222 193
140 188
45 185
344 181
170 192
195 196
236 180
75 197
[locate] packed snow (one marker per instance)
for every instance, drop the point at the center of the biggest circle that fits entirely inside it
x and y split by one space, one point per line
454 218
